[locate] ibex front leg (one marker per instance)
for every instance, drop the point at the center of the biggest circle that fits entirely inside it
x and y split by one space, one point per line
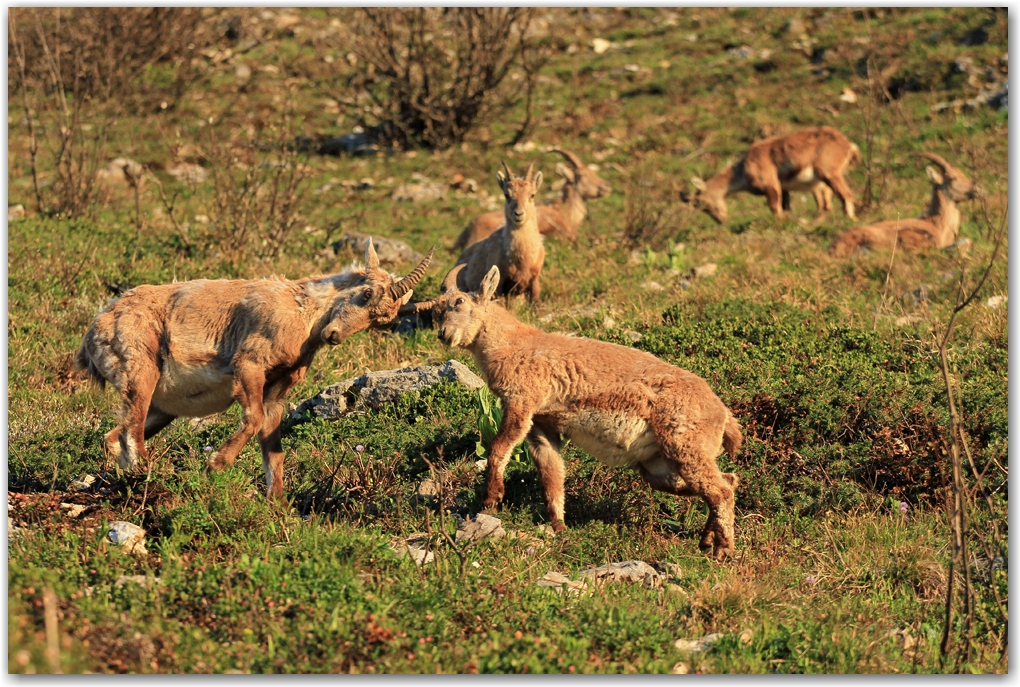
249 381
515 426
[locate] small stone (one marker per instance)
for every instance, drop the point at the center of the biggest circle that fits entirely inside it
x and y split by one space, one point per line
427 491
15 212
907 320
697 645
996 301
128 536
960 247
691 38
684 284
481 465
424 192
608 322
627 571
73 509
483 526
741 53
652 286
187 172
676 589
633 335
706 270
680 668
600 45
848 96
243 72
561 583
746 636
416 546
83 483
143 581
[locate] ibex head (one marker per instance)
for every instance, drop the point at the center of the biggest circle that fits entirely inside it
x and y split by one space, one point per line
375 302
589 184
950 180
519 194
460 316
706 200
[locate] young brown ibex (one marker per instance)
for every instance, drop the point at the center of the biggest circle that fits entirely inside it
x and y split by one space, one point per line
811 160
563 216
623 406
937 227
517 248
191 349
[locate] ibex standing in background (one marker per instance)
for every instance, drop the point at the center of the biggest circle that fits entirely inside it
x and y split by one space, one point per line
517 248
623 406
937 227
563 216
811 160
192 349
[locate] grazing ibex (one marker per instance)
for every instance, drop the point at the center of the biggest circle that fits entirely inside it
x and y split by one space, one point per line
811 160
563 216
193 348
517 248
937 227
623 406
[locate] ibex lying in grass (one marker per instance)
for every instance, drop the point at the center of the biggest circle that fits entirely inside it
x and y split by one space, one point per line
563 216
937 227
517 248
811 160
192 349
623 406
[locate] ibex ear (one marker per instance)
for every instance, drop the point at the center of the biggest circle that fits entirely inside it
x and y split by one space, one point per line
538 181
489 284
935 176
407 297
371 259
699 183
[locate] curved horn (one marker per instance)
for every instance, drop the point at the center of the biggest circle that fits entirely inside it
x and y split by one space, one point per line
415 308
571 158
451 278
509 174
408 282
371 258
940 161
531 172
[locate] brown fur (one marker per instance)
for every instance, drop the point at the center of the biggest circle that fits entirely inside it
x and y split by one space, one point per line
937 227
517 248
563 216
623 406
811 160
192 349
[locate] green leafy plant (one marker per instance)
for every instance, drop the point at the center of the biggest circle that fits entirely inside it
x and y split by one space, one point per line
490 415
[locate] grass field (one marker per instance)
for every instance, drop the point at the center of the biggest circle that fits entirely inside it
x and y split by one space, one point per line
832 367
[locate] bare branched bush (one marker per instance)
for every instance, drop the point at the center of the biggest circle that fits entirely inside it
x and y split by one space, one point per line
431 73
651 215
256 194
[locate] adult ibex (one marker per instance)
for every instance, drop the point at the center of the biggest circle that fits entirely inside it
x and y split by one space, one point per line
193 348
517 248
563 216
623 406
811 160
937 227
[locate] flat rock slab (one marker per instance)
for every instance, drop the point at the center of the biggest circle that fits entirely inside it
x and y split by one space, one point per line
697 645
128 536
390 251
561 583
482 527
375 389
415 546
627 571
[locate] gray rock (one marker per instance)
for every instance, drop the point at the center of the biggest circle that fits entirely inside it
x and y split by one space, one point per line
375 389
483 526
143 581
422 192
128 536
703 271
627 571
959 247
415 546
83 483
390 251
427 491
15 212
561 583
697 645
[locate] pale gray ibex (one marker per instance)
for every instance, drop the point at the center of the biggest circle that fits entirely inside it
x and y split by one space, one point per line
517 248
623 406
937 227
812 160
563 216
191 349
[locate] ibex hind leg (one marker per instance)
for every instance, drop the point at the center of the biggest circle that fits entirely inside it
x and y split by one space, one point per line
545 450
